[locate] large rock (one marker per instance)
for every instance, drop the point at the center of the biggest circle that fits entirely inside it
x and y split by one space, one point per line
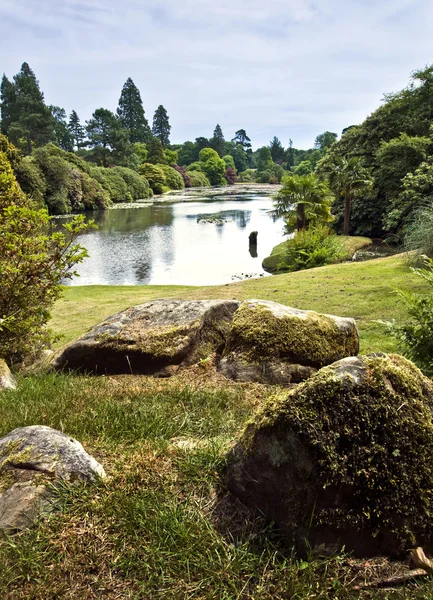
30 458
7 382
274 343
152 338
344 459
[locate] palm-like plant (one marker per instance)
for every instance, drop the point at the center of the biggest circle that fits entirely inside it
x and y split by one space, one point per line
348 177
303 200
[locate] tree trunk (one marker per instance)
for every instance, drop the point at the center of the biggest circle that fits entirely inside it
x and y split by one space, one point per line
300 217
347 202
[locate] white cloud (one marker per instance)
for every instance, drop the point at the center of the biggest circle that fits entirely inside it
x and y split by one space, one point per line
291 68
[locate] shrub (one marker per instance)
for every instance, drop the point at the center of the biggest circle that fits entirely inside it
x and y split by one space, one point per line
137 185
33 262
263 176
195 166
155 176
313 247
174 180
12 154
198 179
419 232
113 183
248 175
230 176
230 163
185 176
415 336
31 179
56 172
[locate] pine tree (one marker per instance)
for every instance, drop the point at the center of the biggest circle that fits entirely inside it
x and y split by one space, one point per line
161 126
156 152
31 117
217 141
76 129
107 137
290 154
131 113
8 104
277 150
242 139
63 137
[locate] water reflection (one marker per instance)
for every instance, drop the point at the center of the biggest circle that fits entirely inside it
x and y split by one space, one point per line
164 244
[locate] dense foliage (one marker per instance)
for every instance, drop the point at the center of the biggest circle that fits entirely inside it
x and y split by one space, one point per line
33 262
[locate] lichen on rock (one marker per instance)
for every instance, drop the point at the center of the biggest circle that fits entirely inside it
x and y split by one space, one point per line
344 459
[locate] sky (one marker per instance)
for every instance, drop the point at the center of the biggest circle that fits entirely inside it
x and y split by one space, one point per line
285 68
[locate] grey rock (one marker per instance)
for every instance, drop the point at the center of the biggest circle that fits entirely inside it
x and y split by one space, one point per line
7 382
152 338
45 450
277 344
314 457
30 458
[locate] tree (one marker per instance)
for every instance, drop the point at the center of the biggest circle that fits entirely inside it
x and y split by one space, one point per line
303 200
277 150
348 177
213 166
325 140
155 152
290 155
28 120
130 113
264 159
161 126
242 139
62 134
217 141
33 263
106 136
8 104
77 130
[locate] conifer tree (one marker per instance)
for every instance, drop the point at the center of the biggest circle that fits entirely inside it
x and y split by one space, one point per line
31 119
130 113
76 129
8 104
218 141
161 126
107 138
63 137
156 152
277 150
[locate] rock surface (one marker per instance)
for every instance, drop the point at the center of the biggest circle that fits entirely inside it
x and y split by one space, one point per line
7 382
344 459
278 344
152 338
31 457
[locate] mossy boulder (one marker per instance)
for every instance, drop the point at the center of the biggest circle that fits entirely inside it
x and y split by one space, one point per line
32 461
154 338
344 459
7 382
274 343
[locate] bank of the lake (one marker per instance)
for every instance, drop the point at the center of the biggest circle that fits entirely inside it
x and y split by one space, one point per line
365 291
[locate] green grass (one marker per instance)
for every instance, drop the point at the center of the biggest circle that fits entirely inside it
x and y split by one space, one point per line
161 526
365 291
351 244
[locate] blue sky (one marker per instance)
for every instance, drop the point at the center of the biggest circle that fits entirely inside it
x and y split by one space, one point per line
290 68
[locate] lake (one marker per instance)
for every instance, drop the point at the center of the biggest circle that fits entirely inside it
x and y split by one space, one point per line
197 237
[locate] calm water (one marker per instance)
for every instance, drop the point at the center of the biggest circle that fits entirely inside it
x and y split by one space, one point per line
166 244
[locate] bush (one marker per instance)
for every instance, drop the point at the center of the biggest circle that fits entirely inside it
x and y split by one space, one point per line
155 176
230 176
113 183
138 186
419 232
230 163
56 172
33 262
248 175
198 179
415 337
185 176
313 247
31 179
263 176
195 166
173 179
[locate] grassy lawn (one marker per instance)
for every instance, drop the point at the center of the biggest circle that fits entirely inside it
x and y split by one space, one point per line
161 526
365 291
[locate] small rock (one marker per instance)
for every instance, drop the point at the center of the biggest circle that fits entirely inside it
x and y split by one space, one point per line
7 382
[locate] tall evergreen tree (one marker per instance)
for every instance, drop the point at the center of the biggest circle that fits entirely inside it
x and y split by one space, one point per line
63 137
290 155
76 129
156 152
242 139
106 137
161 126
8 100
217 141
131 113
31 119
277 150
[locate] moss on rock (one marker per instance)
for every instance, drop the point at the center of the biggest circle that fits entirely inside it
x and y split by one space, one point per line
345 459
